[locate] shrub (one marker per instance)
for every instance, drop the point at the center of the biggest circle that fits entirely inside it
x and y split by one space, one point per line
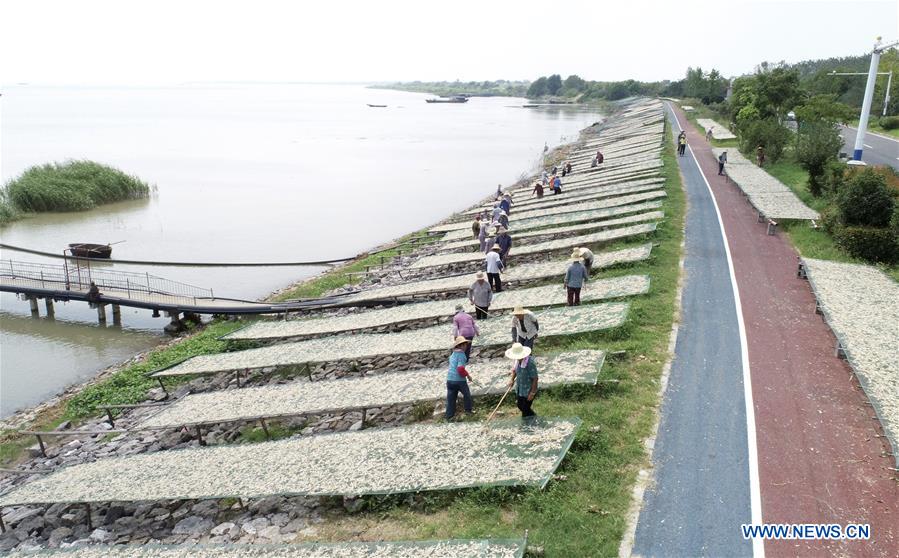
873 244
72 186
830 219
865 200
889 122
768 133
833 176
817 142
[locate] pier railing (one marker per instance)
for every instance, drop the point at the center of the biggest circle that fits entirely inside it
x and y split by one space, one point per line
76 275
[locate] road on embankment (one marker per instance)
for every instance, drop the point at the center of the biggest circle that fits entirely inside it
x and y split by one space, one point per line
700 493
821 458
878 150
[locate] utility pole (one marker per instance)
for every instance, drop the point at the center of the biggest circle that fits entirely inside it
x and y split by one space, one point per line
866 104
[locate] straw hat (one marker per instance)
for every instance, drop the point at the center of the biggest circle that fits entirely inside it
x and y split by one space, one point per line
480 276
582 251
519 311
496 247
575 257
459 340
517 351
459 308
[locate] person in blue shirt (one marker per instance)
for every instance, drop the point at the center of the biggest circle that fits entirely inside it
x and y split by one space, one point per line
506 205
505 243
524 377
457 379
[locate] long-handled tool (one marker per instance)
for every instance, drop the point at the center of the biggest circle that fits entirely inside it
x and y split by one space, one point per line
495 409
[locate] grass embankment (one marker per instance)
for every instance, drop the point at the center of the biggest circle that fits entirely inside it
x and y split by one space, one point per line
585 514
352 272
811 242
68 186
893 133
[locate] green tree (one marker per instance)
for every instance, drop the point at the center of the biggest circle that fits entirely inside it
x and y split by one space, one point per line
574 83
817 142
538 88
824 108
553 84
778 91
765 132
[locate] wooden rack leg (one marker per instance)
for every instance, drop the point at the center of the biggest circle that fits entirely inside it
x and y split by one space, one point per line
265 428
90 524
200 436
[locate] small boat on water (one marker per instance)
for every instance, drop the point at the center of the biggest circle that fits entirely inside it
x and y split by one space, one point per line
377 106
454 99
87 250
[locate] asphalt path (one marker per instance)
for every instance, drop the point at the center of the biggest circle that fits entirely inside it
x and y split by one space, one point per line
877 150
700 491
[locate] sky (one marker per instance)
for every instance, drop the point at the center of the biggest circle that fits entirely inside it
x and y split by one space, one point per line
142 42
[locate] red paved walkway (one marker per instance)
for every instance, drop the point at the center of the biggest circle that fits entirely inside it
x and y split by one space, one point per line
819 457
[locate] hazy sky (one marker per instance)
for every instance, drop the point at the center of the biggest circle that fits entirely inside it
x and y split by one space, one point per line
165 41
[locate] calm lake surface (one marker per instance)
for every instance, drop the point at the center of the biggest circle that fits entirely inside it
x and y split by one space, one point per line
279 172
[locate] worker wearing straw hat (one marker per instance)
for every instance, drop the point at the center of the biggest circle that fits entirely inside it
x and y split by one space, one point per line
575 279
457 378
524 377
586 258
524 327
480 295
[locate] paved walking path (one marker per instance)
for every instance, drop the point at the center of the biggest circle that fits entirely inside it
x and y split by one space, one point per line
820 460
700 492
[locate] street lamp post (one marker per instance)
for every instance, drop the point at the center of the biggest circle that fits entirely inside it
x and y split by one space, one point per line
866 104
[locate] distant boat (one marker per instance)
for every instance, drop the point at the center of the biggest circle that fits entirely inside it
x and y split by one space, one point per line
529 106
377 106
455 99
86 250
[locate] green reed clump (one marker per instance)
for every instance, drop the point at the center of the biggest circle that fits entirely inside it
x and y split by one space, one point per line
7 211
72 186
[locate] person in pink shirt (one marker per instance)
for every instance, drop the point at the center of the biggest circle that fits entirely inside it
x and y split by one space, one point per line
465 326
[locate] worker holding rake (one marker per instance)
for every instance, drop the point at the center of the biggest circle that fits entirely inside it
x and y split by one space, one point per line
524 377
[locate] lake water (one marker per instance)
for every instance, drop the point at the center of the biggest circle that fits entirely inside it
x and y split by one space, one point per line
274 172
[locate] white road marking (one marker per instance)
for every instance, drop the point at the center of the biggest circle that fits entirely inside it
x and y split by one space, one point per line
755 494
868 146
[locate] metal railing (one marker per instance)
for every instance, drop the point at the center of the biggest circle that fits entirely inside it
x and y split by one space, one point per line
77 274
